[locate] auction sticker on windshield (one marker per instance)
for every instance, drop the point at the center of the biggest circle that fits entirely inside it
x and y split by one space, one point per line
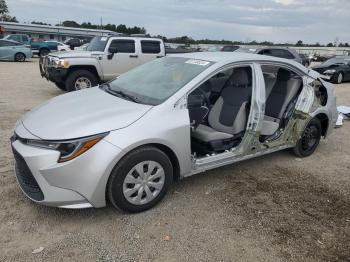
197 62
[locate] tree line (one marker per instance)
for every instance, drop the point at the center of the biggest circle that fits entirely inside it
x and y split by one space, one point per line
5 16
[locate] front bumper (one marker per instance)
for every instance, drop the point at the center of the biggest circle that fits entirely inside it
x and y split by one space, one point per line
51 73
78 183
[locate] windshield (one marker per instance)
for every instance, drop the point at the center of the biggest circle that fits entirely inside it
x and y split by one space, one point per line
98 43
337 60
154 82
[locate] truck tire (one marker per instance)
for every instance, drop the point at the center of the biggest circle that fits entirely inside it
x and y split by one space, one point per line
80 79
61 86
44 52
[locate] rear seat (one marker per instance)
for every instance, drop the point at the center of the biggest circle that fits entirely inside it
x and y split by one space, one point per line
283 91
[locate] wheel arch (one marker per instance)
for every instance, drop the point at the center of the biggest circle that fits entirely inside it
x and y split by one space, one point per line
165 149
92 69
324 120
19 53
172 156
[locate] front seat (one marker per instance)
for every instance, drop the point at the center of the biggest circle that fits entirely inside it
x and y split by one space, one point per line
228 117
282 93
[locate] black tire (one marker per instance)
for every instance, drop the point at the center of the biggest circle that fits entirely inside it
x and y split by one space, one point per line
338 78
44 52
75 75
309 140
115 183
20 57
61 86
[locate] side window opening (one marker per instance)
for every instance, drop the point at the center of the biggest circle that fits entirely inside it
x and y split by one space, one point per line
282 89
124 45
219 110
150 47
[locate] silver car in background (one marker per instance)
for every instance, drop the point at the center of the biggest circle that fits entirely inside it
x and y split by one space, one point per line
127 140
14 51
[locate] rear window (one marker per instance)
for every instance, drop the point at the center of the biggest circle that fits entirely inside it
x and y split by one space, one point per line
281 53
124 46
150 47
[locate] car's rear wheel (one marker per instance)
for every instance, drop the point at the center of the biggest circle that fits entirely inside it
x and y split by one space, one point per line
20 57
140 180
309 140
80 79
61 86
44 52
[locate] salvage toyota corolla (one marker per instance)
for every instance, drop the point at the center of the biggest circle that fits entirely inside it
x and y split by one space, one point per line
126 141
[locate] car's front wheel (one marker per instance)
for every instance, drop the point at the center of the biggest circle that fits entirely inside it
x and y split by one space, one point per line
339 78
140 180
309 140
20 57
80 79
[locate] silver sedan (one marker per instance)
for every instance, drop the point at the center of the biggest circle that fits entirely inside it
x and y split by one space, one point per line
127 140
14 51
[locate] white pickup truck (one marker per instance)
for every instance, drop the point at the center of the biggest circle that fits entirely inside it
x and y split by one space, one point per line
105 58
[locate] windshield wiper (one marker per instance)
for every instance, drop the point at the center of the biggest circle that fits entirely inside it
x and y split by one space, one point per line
121 94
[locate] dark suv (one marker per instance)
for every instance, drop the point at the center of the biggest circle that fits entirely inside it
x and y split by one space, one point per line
73 42
286 53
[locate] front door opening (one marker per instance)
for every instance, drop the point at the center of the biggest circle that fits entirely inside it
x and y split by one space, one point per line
219 110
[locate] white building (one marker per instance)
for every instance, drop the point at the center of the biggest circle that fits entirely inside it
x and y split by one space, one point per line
47 32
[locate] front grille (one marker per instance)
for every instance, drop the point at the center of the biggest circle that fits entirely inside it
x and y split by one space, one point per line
26 178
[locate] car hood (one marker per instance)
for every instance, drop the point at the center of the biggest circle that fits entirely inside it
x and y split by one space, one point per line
319 69
82 113
77 54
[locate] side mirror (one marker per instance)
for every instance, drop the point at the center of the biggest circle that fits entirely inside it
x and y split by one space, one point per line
111 51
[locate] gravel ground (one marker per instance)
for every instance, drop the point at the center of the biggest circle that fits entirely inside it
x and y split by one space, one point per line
273 208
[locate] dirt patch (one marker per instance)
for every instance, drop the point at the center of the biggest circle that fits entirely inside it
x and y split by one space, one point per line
295 209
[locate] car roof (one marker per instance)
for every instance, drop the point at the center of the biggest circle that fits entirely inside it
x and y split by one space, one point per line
232 57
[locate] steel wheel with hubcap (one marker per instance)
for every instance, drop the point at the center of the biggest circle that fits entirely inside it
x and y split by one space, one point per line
140 180
143 183
20 57
309 140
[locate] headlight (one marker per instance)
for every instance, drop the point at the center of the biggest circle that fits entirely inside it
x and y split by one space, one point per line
68 149
329 72
60 63
63 63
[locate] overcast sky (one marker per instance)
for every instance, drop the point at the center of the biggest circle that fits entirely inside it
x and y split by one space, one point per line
272 20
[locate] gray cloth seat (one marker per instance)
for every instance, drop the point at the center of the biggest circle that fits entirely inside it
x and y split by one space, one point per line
228 116
282 93
270 81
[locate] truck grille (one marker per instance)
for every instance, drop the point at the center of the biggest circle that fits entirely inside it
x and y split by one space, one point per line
26 179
